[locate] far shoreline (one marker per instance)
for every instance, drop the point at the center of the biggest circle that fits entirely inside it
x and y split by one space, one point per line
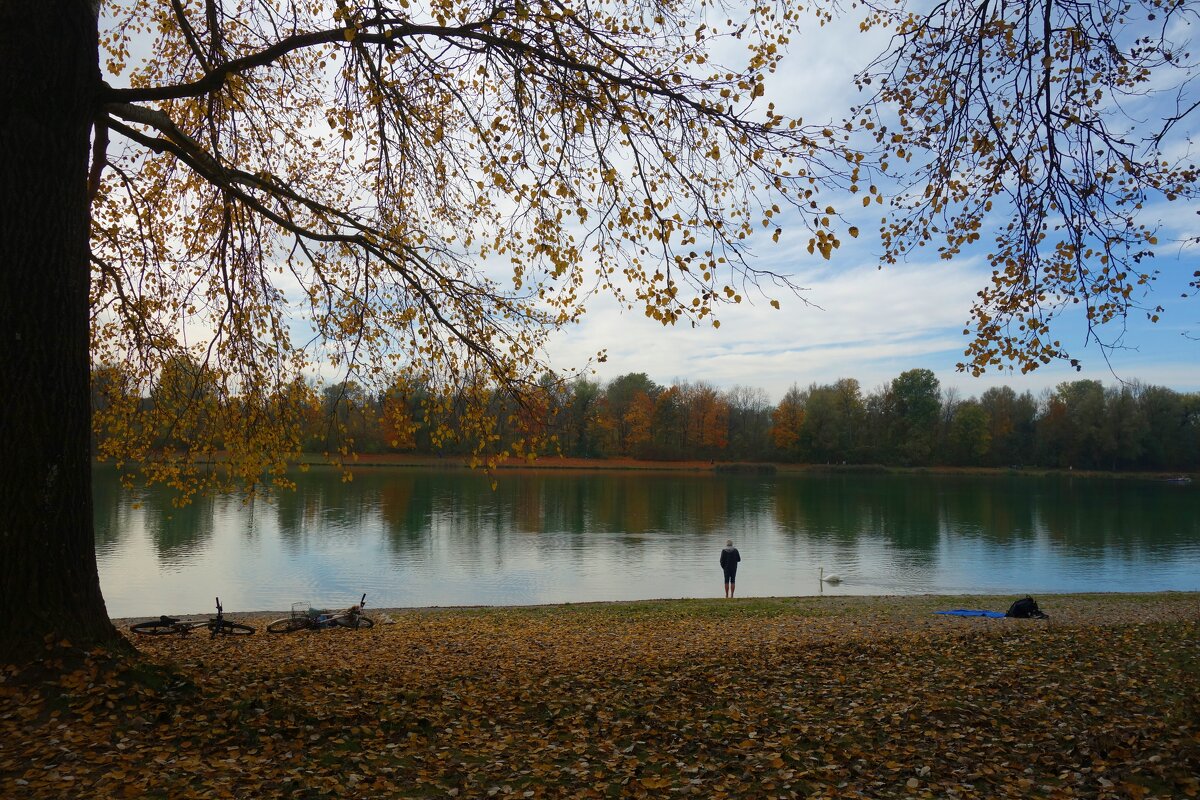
564 463
621 464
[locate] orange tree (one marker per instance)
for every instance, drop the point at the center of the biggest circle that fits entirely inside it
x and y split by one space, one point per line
385 188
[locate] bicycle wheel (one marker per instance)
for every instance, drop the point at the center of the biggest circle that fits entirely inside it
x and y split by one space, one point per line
288 624
230 628
356 622
155 627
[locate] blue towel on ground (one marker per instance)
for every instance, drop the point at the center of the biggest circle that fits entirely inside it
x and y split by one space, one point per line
969 612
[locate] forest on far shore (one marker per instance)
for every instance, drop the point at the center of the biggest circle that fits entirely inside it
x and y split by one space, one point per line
911 421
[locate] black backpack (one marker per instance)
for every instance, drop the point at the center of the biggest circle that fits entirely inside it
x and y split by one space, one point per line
1026 608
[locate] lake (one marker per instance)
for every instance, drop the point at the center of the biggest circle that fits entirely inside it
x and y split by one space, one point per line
427 537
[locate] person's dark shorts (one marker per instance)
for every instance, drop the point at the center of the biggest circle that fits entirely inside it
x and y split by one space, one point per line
730 574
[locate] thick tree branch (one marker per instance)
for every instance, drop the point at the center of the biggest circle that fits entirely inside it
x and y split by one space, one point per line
394 254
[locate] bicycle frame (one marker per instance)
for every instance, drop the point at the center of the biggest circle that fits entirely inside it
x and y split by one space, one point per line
215 625
312 619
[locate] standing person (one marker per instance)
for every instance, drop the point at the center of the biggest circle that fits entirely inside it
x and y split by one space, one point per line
729 561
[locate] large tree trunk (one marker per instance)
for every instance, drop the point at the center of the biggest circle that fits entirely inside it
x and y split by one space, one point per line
49 78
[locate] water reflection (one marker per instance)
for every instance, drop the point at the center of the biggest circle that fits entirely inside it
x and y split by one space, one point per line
446 537
176 533
109 510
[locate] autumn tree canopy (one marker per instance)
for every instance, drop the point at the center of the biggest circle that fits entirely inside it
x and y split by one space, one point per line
1040 132
429 188
223 194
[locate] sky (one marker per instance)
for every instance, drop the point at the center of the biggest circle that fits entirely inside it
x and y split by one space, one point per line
870 325
873 324
862 322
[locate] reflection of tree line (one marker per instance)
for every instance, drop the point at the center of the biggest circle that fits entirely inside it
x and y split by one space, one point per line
1120 516
911 512
176 532
842 508
914 511
616 503
110 523
321 504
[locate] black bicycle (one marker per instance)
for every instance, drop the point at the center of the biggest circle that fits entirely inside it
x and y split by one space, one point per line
164 626
314 619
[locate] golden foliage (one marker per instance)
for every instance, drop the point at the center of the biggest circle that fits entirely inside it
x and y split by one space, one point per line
816 697
1045 128
787 420
423 192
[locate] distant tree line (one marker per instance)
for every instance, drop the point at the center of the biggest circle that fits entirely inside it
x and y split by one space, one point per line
910 421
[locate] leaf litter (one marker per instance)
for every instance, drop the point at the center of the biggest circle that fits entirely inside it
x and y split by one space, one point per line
804 697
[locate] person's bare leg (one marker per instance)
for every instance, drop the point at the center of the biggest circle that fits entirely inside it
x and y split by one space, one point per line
731 584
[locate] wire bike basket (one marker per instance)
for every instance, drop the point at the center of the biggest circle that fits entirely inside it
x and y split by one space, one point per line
318 617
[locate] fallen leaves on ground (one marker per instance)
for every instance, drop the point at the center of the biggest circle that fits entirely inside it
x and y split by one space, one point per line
832 697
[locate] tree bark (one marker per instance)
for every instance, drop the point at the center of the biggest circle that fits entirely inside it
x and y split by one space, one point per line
49 80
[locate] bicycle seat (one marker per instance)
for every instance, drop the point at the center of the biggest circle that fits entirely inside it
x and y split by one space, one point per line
168 620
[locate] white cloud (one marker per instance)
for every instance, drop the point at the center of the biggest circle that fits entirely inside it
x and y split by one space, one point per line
870 325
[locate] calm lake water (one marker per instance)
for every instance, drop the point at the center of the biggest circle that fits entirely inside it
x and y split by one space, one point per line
444 537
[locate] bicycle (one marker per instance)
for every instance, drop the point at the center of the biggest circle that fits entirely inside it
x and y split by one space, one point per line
165 625
315 619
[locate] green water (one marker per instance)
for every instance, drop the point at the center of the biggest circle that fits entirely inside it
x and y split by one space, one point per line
413 537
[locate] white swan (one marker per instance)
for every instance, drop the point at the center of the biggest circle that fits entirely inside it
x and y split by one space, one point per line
830 578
